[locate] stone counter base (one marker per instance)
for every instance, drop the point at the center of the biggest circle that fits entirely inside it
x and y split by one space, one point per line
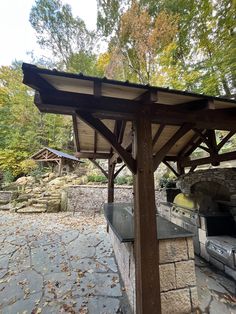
177 273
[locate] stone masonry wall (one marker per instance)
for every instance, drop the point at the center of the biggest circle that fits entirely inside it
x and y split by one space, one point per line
92 197
177 273
223 176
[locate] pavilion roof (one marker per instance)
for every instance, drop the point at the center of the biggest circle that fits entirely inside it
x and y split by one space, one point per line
179 115
47 153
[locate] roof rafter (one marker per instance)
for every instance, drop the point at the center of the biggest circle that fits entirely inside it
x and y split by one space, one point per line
110 137
99 167
91 155
76 133
186 162
225 140
157 159
158 134
171 168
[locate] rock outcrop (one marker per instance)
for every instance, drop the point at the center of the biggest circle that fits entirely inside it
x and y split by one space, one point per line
37 195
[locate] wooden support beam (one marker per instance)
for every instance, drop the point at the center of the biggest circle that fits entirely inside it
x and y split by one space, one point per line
148 97
203 136
225 140
205 148
192 169
158 133
171 158
76 133
37 82
110 137
111 177
186 162
99 167
220 119
146 244
189 145
122 131
171 168
118 126
192 145
212 139
115 159
180 169
93 155
211 104
97 88
158 158
126 144
124 109
119 170
60 167
47 159
95 141
104 107
212 145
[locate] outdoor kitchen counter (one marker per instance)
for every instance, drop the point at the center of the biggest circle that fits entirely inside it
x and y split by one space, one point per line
176 259
120 218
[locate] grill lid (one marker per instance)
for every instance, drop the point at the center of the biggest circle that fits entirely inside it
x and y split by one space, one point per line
185 201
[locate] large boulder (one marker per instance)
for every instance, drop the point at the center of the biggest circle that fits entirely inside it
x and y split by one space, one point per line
57 181
25 180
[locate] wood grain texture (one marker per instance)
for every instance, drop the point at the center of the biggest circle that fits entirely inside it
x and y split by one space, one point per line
146 243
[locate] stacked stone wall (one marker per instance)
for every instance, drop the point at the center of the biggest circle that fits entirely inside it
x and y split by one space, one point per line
177 273
92 197
223 176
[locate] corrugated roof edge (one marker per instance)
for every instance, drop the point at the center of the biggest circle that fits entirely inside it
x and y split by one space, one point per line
34 68
58 153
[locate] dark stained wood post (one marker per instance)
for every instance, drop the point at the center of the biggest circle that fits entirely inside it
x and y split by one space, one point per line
146 243
60 167
111 176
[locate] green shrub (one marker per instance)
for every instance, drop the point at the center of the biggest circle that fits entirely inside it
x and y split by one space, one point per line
124 180
167 183
8 177
38 172
97 178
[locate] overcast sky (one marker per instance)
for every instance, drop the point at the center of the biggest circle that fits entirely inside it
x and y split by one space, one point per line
17 37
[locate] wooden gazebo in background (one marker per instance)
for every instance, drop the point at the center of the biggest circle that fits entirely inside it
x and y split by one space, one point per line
142 126
56 157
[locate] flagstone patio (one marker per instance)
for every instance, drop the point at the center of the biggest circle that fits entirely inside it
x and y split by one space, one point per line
57 264
60 263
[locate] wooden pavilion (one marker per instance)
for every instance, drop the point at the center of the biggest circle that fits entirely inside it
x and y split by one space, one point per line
56 157
142 126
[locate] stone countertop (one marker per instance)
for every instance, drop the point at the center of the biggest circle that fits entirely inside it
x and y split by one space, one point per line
120 218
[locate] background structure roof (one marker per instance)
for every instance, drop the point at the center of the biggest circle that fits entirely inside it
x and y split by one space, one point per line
57 153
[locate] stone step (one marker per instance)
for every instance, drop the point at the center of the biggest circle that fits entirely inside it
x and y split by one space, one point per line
34 200
31 210
49 198
52 195
7 206
24 197
39 206
42 201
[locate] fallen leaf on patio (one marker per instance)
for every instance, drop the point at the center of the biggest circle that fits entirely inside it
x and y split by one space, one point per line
90 271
